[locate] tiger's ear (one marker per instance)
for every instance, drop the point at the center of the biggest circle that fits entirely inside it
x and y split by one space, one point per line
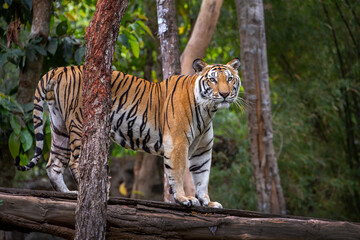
235 63
199 65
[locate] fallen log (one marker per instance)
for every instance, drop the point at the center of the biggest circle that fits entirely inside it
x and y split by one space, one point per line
54 213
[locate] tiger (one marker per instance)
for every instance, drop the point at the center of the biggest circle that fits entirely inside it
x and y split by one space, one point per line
172 119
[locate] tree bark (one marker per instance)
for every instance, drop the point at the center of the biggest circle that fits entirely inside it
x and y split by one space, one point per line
54 213
101 36
30 75
170 53
201 36
169 39
257 93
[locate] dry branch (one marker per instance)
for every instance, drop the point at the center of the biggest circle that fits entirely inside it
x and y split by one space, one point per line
54 213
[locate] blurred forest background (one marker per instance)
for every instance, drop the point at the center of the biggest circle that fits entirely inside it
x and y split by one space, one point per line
314 68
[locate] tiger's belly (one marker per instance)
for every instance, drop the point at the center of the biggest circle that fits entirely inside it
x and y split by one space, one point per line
134 133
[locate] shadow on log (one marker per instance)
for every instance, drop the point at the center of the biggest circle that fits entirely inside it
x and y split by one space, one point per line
54 213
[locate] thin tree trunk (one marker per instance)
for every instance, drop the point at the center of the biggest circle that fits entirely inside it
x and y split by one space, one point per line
257 93
201 36
100 39
30 75
170 53
148 177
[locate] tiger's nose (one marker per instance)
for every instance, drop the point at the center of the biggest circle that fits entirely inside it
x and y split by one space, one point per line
224 94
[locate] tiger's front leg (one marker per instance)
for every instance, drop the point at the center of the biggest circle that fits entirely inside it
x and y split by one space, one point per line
175 157
199 166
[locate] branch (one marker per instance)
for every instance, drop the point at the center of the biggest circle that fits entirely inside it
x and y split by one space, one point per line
54 212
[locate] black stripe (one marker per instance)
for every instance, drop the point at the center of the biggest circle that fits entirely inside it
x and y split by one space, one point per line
167 166
38 107
173 92
198 172
61 148
200 154
198 167
39 137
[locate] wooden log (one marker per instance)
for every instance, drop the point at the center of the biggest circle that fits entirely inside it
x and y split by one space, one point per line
54 213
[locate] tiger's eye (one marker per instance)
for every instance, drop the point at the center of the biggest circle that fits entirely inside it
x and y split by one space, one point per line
212 80
230 79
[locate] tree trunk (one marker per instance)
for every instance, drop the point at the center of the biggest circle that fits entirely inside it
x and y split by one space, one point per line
201 36
170 53
101 36
6 162
148 177
257 93
53 212
30 75
169 39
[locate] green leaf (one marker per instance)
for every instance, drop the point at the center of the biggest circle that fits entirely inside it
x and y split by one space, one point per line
30 127
28 107
23 159
135 47
61 28
145 27
17 53
15 124
40 50
47 126
52 46
70 16
14 145
79 55
3 59
36 40
122 38
26 139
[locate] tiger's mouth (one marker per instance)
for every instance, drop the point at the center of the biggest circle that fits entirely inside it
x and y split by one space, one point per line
223 104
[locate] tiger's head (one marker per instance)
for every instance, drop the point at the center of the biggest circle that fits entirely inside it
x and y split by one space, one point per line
217 84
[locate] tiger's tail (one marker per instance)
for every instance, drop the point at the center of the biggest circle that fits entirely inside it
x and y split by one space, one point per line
39 99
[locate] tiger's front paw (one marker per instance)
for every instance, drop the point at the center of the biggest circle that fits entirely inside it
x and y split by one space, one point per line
188 201
75 192
215 205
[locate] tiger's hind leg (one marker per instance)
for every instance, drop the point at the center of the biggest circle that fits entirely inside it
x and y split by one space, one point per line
60 149
75 145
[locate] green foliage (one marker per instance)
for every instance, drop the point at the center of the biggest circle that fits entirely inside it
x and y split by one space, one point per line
17 120
231 171
314 64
